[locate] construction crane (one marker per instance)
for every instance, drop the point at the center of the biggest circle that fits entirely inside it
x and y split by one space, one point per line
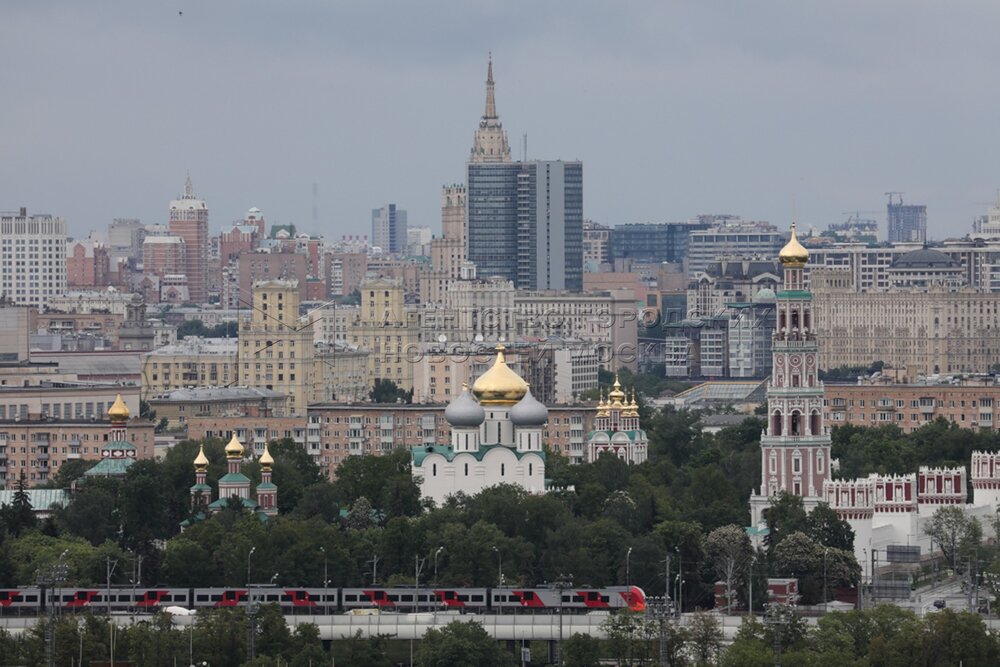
894 193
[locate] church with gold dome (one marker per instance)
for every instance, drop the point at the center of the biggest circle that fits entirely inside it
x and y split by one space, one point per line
496 438
616 428
234 484
117 454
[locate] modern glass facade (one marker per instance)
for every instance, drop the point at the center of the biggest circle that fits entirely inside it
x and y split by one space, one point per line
525 222
653 242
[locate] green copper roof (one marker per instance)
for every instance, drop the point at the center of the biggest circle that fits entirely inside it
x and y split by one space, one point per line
221 503
793 294
109 467
234 478
266 486
201 487
420 452
117 444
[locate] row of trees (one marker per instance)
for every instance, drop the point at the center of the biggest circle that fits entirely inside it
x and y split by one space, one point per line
885 636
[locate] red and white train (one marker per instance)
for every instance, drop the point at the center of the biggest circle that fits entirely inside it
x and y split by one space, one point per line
30 601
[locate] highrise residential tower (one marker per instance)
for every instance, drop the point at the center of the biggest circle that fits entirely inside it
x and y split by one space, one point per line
189 221
524 220
795 448
389 228
907 222
33 258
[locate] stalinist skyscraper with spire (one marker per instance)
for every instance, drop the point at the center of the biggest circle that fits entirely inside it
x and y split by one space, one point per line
524 220
490 143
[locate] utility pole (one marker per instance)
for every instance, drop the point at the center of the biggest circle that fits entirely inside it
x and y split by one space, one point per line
778 615
110 566
48 579
562 582
659 609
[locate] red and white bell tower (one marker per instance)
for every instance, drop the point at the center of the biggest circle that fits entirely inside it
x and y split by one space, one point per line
795 447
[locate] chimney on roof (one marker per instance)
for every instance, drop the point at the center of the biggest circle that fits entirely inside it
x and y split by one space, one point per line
24 211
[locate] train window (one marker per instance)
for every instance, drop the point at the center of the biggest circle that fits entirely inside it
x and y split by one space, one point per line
475 598
350 598
202 598
576 598
32 598
605 598
404 598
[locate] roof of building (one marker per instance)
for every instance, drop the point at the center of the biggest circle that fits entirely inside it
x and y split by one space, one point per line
42 500
716 391
111 467
234 478
924 258
197 345
201 394
89 364
721 420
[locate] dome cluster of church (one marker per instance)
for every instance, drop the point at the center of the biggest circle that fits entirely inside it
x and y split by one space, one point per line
497 428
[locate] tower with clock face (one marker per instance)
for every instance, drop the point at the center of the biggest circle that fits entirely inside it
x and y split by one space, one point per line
795 446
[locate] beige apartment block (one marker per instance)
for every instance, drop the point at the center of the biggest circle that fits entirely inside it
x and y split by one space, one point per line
38 447
929 330
384 331
192 362
276 350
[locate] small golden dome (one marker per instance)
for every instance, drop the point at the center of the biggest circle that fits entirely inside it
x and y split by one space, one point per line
793 254
617 395
201 461
632 409
499 385
234 450
119 411
266 461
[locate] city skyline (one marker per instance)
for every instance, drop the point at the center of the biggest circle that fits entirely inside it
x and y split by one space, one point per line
841 107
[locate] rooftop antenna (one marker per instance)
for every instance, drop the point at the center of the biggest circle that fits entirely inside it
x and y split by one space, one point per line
315 210
524 148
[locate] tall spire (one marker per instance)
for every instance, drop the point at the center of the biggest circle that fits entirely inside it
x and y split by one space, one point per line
188 188
490 143
491 103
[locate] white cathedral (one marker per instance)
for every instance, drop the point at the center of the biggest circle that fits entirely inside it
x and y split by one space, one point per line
496 438
883 510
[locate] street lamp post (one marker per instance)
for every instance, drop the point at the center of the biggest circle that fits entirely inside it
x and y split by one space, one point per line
436 552
326 582
499 567
249 555
628 574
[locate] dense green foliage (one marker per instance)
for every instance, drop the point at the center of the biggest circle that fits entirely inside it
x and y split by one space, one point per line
198 328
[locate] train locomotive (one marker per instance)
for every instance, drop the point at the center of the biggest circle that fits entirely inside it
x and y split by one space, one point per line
34 600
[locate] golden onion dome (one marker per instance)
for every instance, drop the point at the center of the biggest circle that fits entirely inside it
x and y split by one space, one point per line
234 450
617 395
793 254
632 409
118 412
499 385
266 461
602 408
201 461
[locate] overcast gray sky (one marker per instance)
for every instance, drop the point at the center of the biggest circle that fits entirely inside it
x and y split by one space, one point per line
675 108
